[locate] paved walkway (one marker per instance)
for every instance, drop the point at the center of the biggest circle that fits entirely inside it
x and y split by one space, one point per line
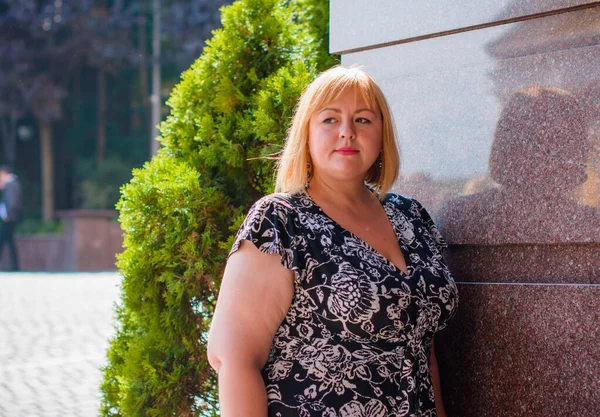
54 331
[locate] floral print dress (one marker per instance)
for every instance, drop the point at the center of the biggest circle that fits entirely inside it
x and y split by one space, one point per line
357 337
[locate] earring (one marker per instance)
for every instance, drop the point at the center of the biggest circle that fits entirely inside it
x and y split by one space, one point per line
308 174
380 167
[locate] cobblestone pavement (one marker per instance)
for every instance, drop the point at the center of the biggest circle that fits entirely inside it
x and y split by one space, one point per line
54 331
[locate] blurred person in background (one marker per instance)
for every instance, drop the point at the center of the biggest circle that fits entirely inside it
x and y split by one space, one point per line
10 213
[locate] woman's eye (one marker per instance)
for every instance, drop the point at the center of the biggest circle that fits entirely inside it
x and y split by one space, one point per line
362 120
329 120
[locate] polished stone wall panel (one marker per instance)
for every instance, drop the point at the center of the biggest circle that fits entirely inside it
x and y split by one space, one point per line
499 129
558 263
522 350
560 32
362 23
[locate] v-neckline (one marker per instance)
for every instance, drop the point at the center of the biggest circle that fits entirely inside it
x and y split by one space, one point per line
371 248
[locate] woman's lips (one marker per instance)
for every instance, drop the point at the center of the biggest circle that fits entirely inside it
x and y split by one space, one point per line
346 151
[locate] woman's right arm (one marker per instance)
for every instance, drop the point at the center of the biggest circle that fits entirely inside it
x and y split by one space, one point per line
254 298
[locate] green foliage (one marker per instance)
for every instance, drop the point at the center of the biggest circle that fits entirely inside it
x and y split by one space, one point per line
172 222
180 211
35 226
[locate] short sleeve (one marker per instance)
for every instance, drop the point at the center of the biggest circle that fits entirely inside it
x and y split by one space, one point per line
431 228
270 226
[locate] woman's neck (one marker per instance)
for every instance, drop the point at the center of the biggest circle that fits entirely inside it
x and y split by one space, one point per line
344 195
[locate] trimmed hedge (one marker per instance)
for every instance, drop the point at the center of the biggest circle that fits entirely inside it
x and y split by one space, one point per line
180 211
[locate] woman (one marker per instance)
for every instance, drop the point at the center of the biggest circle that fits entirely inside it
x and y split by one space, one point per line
333 289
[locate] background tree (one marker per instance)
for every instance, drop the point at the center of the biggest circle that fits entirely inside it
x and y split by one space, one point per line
73 81
230 111
36 75
48 42
124 64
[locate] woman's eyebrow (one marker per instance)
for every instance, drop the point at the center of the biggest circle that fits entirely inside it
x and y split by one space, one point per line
339 111
365 109
330 109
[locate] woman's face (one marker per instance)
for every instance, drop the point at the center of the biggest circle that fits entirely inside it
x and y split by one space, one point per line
345 138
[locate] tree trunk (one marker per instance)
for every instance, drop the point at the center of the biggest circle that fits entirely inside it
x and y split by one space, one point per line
141 104
143 64
9 137
154 144
76 94
101 118
47 169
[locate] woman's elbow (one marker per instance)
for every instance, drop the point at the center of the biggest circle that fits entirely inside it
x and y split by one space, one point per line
213 357
222 354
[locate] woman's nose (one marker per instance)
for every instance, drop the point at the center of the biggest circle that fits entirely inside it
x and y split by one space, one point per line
347 130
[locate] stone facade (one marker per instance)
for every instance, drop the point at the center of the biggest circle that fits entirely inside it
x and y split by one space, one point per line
497 109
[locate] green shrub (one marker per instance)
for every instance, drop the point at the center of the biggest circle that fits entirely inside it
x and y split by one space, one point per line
179 212
37 226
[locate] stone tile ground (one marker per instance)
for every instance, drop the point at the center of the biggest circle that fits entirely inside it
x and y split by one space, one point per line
54 331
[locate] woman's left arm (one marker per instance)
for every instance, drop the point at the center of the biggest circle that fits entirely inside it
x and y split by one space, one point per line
437 387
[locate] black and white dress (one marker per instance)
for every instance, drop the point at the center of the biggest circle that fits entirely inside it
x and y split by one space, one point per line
357 337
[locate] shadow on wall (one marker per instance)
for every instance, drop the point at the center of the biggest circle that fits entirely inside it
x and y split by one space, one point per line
538 160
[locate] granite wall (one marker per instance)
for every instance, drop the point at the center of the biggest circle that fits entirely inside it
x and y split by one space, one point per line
497 109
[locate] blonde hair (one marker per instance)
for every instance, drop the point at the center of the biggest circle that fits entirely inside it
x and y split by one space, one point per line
327 87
